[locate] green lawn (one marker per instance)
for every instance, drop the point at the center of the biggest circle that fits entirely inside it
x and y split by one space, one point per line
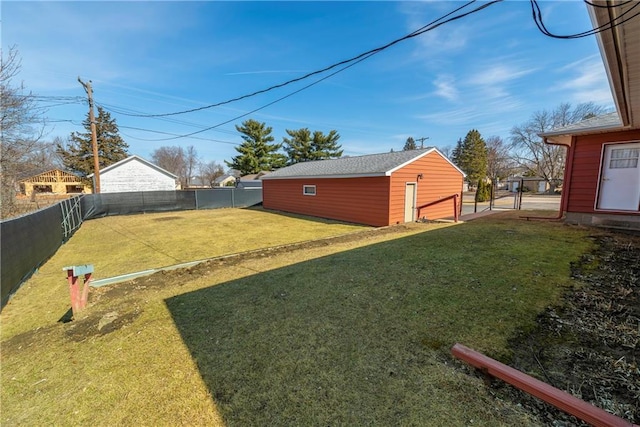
356 332
126 244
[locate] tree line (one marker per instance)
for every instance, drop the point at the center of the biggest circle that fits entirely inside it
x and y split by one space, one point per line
25 147
256 153
526 153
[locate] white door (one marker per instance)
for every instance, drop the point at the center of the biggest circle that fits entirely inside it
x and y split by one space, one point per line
410 202
620 179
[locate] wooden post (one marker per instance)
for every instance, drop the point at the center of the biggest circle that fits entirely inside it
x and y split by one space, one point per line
78 297
94 139
558 398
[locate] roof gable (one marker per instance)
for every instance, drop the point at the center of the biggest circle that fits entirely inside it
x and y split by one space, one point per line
602 123
350 167
140 160
28 176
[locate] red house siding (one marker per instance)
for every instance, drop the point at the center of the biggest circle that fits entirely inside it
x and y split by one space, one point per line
439 180
376 201
359 200
586 155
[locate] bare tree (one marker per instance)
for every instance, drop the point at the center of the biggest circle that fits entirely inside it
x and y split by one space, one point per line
190 163
499 163
544 160
21 129
172 159
210 171
447 151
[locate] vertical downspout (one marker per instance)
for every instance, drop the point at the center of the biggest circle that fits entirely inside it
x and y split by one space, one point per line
566 182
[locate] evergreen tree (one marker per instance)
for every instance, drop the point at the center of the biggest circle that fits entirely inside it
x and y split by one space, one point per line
483 192
77 156
326 146
303 146
473 156
255 152
298 146
410 145
456 154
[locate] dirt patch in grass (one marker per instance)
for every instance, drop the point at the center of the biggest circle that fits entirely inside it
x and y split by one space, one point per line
167 218
589 345
164 279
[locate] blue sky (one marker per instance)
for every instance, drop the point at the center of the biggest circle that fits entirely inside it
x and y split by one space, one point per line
488 71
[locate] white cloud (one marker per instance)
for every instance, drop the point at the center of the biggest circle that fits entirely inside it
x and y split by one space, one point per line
586 81
445 87
499 74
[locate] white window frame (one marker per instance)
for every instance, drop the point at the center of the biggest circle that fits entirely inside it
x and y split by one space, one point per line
306 188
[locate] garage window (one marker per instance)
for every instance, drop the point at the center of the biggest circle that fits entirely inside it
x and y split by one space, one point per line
309 190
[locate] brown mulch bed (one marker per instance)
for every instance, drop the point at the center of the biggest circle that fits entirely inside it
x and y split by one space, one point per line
589 345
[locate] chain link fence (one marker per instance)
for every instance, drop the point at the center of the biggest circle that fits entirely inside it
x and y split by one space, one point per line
30 240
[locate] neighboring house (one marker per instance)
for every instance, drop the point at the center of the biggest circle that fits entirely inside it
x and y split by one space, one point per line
602 175
224 181
529 183
135 174
251 181
197 182
54 181
377 189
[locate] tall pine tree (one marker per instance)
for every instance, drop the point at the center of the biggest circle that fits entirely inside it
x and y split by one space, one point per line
325 146
473 156
302 146
456 154
410 144
77 155
297 146
255 152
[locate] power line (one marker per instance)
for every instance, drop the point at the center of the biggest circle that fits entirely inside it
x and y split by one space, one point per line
118 110
429 27
168 133
426 28
537 18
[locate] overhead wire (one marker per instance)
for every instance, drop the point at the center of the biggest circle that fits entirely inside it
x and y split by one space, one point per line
118 110
428 27
169 133
537 18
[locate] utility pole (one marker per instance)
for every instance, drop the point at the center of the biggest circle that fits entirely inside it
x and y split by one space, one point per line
422 140
94 137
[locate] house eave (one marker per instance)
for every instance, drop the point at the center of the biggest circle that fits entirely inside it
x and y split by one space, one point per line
619 46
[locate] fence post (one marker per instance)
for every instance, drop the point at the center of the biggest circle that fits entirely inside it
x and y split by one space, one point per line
78 297
455 208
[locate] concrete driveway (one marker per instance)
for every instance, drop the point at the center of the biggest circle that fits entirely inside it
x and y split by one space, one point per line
507 202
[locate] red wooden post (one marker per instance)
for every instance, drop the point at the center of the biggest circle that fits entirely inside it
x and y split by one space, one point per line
558 398
78 297
455 208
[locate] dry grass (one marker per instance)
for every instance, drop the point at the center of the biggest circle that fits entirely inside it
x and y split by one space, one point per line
356 332
126 244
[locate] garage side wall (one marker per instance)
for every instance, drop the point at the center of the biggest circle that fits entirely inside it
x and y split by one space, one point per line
439 179
358 200
135 176
585 170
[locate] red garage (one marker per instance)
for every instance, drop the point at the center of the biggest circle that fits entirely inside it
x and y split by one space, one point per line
376 189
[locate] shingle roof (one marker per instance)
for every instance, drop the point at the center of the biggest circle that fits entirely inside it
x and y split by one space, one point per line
369 165
222 178
141 160
601 122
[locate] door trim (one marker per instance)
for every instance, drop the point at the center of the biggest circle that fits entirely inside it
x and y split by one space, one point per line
596 200
415 201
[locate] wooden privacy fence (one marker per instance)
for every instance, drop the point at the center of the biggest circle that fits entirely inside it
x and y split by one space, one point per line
30 240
